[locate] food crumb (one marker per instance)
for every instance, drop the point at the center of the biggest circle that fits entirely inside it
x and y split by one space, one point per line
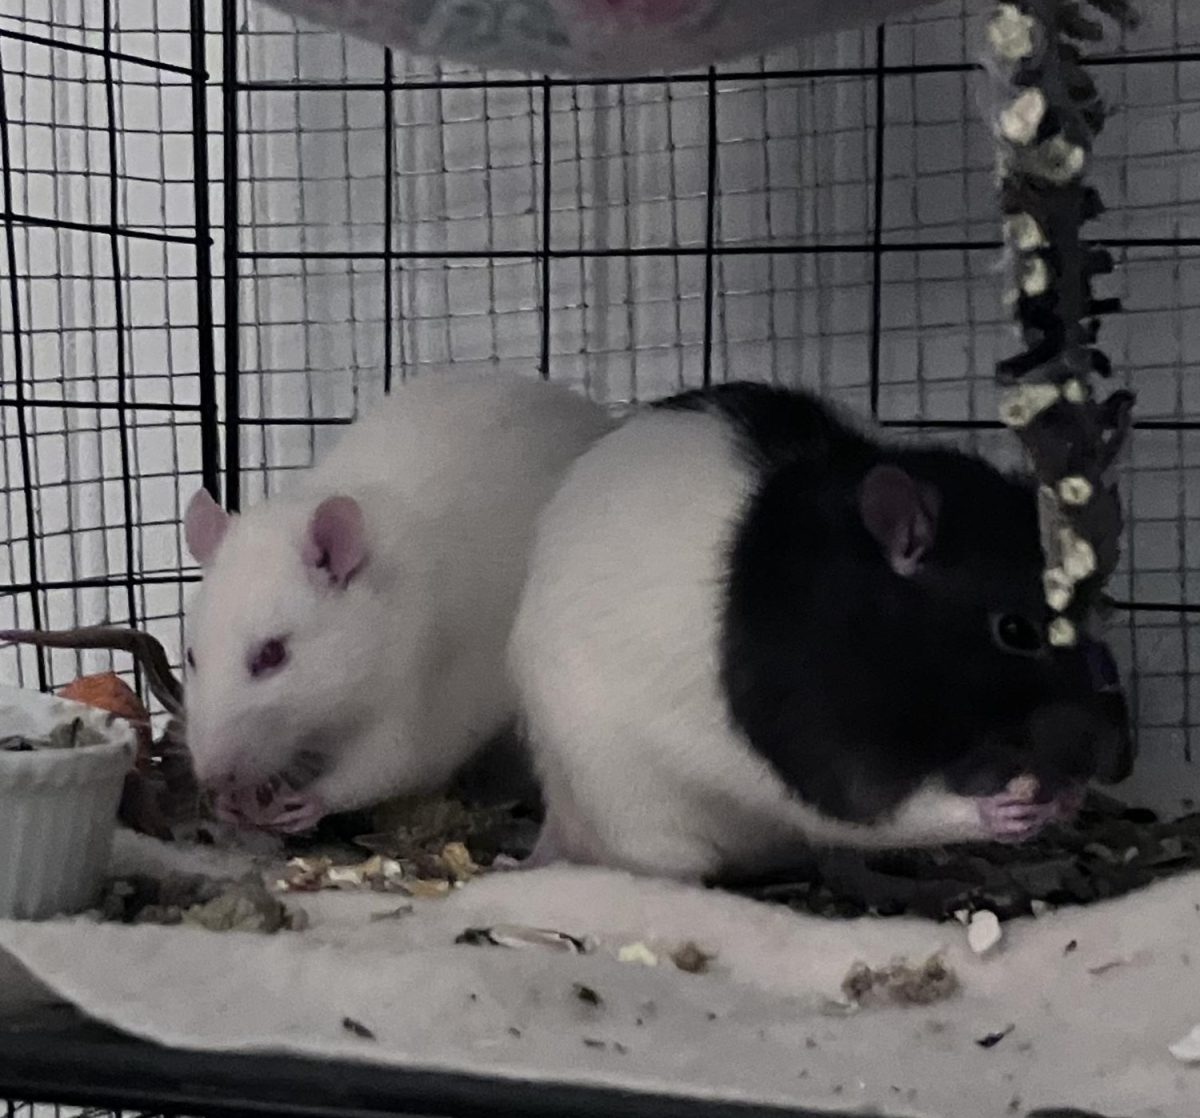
691 959
637 953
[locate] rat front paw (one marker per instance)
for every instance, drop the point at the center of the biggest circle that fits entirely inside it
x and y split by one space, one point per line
267 808
1015 816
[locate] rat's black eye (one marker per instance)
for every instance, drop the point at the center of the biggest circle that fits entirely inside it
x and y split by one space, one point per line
1017 634
191 660
270 655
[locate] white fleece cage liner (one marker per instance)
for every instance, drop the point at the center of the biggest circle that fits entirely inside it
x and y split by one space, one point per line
1095 997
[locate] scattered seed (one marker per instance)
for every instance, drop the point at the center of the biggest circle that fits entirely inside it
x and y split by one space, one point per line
637 953
1072 946
516 936
984 932
1187 1049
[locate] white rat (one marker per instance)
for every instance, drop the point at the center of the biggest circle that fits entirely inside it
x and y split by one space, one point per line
347 642
748 626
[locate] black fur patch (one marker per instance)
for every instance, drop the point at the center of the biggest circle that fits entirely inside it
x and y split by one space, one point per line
856 684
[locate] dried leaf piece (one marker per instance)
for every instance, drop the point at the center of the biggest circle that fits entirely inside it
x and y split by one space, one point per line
214 904
357 1028
516 936
108 691
304 875
1104 968
392 913
901 983
992 1039
859 982
587 995
426 890
242 907
458 861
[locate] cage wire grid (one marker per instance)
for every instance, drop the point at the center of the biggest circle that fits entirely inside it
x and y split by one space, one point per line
223 234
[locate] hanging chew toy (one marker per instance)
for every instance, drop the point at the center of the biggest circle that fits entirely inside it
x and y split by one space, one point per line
1050 116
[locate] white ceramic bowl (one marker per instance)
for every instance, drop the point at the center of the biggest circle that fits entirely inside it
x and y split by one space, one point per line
58 807
592 37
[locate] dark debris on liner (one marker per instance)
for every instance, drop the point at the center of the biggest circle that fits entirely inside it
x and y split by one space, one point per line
416 832
243 905
1111 850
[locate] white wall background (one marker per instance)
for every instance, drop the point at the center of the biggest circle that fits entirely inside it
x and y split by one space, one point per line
628 167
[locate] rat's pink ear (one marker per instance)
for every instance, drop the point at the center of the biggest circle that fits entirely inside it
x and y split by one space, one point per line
902 516
336 545
204 526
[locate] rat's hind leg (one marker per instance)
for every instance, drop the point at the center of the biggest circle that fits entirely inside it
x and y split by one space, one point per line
565 835
648 829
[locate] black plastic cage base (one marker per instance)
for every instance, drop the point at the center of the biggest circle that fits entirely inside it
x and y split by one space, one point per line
65 1067
54 1057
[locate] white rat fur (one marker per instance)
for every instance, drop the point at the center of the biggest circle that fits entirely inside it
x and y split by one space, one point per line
615 651
393 671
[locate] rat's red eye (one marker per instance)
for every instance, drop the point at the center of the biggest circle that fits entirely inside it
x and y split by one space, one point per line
271 654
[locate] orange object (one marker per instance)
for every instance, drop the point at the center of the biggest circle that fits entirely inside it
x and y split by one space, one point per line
140 807
108 691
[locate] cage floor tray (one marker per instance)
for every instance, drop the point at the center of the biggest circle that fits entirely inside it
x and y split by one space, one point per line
1078 1008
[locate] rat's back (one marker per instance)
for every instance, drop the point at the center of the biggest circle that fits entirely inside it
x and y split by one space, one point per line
452 437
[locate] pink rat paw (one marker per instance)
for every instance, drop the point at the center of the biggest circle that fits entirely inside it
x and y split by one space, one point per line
291 813
1015 815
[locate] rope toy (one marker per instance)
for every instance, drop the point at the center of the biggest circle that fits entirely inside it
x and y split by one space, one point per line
1049 118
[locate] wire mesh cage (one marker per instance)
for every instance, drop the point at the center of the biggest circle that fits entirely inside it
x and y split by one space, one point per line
224 233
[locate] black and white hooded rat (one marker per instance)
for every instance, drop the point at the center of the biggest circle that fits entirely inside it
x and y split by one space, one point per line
750 626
